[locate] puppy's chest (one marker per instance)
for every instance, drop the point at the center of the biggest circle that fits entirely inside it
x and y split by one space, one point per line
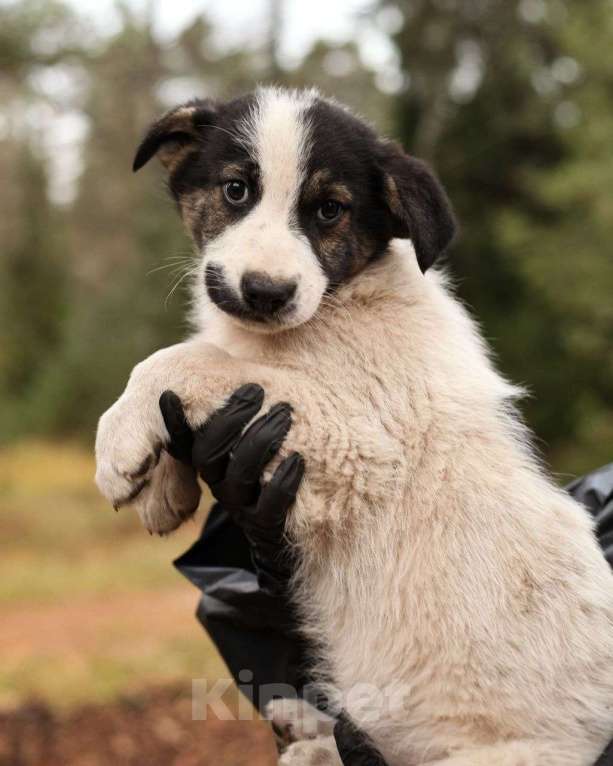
356 411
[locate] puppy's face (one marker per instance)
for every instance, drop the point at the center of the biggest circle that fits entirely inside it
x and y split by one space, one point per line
286 196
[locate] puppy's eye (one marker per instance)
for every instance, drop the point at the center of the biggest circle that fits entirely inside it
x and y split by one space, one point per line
236 192
329 210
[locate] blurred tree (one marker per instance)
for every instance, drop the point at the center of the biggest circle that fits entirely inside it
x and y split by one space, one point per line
338 71
486 89
32 288
123 231
34 277
571 262
510 100
36 33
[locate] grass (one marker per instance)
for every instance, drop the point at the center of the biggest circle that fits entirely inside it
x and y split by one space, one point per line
92 606
62 539
67 679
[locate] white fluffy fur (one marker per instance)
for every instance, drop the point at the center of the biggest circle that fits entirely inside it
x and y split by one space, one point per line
461 607
436 555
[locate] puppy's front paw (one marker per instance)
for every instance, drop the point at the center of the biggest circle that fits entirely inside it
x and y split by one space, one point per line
133 469
296 719
127 451
313 752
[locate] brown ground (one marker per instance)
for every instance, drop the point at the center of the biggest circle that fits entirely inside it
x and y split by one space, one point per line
79 624
98 639
152 729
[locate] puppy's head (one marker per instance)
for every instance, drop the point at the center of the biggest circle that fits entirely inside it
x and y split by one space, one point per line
286 196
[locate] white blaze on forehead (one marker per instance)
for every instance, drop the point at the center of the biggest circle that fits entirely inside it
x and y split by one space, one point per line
276 134
278 137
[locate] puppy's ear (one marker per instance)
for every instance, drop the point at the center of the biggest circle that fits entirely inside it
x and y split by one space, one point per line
175 132
418 205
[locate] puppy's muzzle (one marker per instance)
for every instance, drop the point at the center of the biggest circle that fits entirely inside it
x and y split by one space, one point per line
259 298
266 296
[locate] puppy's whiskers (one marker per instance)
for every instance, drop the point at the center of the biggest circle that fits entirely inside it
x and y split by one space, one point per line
176 262
190 272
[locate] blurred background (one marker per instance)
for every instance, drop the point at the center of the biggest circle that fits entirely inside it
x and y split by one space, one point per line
510 100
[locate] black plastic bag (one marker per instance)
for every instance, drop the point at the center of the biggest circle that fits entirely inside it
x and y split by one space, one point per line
253 629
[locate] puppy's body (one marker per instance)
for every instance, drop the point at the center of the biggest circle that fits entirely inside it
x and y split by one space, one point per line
462 610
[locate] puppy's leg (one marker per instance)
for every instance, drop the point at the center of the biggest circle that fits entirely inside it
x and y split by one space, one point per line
297 719
171 496
312 752
131 434
517 753
132 466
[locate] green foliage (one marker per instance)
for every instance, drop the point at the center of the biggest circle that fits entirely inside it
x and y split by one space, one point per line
33 292
531 192
510 100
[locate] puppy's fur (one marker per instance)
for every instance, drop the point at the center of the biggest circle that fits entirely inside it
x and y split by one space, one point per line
443 575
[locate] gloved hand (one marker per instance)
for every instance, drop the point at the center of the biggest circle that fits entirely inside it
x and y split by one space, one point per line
231 463
354 747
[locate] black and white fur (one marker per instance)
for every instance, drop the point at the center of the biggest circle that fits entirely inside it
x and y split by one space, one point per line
460 605
295 152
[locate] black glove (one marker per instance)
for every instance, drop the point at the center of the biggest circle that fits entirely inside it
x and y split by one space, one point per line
231 463
354 747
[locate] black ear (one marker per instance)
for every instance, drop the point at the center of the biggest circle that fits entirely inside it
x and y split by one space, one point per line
175 132
418 204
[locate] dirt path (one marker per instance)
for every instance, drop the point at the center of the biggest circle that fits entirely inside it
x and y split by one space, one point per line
80 624
152 729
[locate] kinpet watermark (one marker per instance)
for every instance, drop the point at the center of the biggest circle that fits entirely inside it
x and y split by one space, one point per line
366 701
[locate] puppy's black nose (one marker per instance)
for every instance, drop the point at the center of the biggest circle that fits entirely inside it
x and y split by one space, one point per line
264 295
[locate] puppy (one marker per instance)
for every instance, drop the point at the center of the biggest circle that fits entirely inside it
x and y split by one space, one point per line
460 605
